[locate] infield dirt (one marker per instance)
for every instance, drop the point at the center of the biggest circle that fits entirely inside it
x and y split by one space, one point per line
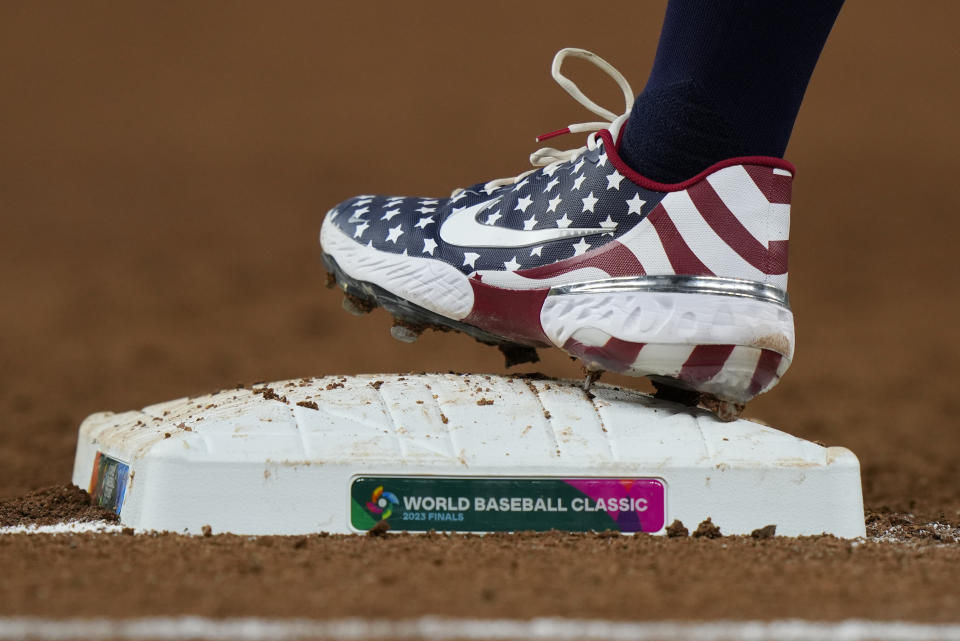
163 173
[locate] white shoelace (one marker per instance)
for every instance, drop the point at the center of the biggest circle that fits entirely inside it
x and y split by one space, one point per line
612 122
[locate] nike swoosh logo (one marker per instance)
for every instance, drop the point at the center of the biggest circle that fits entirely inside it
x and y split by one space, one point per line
461 228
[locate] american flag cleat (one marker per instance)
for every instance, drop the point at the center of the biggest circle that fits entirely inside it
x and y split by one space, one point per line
683 283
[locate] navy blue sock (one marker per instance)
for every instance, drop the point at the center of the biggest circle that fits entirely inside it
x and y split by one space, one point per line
727 80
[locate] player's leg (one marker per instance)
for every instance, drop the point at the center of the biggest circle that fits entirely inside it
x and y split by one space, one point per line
727 81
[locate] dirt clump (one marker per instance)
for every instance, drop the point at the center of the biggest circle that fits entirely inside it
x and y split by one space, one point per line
50 505
726 411
677 529
270 394
707 529
380 529
765 532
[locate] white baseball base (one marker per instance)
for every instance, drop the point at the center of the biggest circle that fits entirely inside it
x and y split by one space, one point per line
457 452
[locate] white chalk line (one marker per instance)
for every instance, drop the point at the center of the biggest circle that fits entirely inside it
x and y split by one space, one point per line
66 527
440 628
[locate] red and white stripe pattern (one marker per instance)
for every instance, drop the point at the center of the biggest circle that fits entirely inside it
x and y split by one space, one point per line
733 223
728 370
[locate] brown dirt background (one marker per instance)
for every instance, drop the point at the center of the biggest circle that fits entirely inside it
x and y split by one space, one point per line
163 173
517 576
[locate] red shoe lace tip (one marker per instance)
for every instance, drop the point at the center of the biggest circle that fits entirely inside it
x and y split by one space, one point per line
553 134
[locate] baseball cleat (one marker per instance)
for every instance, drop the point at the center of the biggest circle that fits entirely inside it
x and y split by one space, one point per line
683 283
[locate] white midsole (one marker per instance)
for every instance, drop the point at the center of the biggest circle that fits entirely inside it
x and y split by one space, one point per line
668 318
431 284
513 280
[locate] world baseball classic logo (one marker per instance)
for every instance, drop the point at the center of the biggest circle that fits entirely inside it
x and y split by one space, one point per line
381 503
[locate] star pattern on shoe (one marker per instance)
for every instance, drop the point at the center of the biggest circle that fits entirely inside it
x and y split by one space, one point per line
568 196
614 180
395 233
589 202
635 205
512 264
609 224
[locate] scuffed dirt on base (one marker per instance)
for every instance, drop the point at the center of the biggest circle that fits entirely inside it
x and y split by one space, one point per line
51 505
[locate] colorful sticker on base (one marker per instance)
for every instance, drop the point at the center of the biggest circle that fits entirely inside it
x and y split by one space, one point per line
108 483
507 504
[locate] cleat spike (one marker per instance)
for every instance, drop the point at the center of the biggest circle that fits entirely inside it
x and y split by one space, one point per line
351 306
405 332
590 377
357 305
